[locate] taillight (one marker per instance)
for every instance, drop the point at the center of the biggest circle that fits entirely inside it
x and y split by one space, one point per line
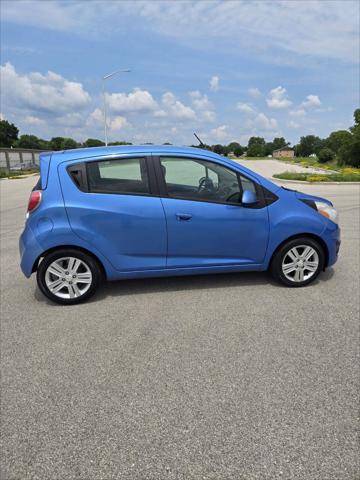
34 201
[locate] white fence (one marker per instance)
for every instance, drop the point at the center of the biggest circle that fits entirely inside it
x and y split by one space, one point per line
18 158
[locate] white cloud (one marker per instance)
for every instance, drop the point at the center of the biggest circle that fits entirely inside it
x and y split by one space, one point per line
176 108
214 83
95 118
278 98
31 120
230 23
118 123
300 112
293 124
136 101
202 106
208 116
254 92
201 102
245 108
50 93
71 119
263 122
160 113
220 133
311 101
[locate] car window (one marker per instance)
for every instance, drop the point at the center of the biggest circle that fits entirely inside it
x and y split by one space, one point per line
247 184
198 179
127 175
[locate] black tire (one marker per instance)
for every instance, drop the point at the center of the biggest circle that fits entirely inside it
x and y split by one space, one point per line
89 261
277 261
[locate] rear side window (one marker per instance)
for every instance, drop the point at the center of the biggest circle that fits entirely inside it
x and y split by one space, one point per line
127 176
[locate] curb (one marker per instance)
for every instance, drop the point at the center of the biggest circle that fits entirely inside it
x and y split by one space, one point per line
15 177
303 182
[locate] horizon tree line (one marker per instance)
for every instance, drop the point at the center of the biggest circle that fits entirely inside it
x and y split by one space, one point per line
342 146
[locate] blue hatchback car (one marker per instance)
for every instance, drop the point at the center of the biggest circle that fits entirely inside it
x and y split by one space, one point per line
113 213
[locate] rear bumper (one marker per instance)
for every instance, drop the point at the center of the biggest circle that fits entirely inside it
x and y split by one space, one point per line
30 250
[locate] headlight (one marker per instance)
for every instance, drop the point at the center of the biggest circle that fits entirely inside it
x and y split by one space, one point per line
327 210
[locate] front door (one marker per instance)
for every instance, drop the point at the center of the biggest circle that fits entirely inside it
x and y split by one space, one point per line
207 225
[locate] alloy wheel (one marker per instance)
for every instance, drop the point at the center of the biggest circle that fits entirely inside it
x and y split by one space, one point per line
300 263
68 277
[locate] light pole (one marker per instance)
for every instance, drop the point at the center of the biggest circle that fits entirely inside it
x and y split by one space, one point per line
105 77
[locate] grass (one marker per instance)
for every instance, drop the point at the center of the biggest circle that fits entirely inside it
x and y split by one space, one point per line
314 177
17 173
313 162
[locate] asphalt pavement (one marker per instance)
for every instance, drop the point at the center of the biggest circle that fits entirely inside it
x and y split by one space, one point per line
210 377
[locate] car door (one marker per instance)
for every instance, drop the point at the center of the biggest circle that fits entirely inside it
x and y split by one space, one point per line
111 204
207 225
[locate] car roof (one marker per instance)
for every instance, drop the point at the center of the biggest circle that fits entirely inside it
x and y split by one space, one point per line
82 153
114 150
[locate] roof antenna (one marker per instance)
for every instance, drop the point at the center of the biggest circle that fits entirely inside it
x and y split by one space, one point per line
201 143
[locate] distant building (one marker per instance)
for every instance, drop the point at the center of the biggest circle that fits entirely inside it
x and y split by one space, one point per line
284 152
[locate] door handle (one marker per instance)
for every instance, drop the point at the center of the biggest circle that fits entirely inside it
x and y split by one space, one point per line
183 216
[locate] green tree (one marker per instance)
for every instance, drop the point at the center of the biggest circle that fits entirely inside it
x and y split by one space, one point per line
62 143
219 149
256 150
69 143
269 148
279 142
326 155
44 144
8 133
337 139
56 143
309 144
125 143
238 151
349 153
233 146
357 116
28 141
256 147
93 142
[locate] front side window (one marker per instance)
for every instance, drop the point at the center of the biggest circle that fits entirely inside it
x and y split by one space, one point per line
127 176
197 179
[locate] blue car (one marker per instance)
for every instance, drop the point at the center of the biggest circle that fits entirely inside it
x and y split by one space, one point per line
112 213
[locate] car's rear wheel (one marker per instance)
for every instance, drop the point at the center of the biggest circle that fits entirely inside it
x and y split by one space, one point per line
68 276
298 262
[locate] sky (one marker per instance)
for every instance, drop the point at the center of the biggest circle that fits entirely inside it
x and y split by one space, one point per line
227 70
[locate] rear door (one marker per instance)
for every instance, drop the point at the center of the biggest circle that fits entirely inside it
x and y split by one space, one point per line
112 204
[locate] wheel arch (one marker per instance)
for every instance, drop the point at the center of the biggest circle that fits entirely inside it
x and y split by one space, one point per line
318 239
72 247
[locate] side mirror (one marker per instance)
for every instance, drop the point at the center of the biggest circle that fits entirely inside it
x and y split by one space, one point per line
248 198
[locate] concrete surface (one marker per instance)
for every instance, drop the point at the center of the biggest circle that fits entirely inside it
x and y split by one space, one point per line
211 377
269 167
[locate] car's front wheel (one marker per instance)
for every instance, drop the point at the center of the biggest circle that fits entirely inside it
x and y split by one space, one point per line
298 262
68 276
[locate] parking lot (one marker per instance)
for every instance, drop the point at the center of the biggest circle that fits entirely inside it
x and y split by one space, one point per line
210 377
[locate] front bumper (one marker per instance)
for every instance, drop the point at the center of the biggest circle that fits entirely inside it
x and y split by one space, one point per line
30 250
332 237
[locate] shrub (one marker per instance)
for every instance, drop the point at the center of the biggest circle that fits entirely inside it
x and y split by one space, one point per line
326 155
318 178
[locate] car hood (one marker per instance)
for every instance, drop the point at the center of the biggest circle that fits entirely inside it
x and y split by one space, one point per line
306 196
